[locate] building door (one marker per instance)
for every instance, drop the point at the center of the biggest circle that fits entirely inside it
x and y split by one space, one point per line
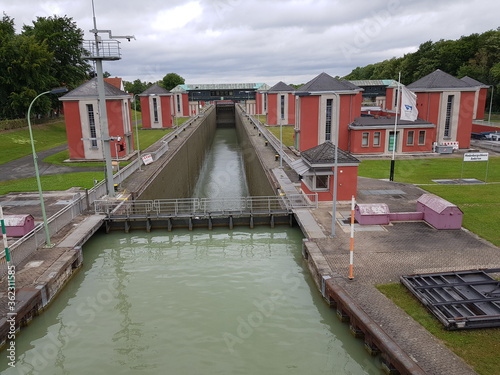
393 142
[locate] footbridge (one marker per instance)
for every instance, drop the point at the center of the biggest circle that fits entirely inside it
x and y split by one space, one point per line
202 212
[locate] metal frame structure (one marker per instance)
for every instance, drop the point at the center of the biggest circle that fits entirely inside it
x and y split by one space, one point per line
461 299
203 207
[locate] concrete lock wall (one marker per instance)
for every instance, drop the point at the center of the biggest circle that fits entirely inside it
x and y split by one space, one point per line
178 177
259 183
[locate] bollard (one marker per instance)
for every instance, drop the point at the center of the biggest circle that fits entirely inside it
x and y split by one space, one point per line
266 143
276 157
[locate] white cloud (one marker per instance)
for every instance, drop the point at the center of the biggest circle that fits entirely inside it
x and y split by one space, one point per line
176 18
262 40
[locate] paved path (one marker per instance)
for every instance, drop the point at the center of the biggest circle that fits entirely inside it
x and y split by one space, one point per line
385 253
24 168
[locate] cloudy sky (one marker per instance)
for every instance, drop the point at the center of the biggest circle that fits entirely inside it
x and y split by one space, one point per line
229 41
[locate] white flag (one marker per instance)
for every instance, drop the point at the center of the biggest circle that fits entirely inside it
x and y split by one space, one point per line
409 109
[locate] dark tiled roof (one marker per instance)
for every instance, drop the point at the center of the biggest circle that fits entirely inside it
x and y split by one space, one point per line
89 89
155 90
473 82
281 86
325 154
439 80
385 121
325 82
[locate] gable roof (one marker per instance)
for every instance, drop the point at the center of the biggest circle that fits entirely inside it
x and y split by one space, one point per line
325 154
388 83
89 90
473 82
116 81
439 80
155 90
325 82
281 86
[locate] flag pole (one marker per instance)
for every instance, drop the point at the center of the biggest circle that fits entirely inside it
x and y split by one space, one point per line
394 144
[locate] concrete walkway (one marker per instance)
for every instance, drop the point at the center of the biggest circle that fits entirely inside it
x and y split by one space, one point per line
385 253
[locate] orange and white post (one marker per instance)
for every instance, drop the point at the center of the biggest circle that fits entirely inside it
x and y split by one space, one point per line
351 247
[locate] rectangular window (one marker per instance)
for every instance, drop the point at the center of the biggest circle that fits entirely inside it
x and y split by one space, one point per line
410 137
449 115
91 117
317 182
178 103
376 139
328 125
393 141
282 106
155 110
421 137
321 182
365 142
265 103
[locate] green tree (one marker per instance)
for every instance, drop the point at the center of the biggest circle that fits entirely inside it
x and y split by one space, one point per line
25 65
136 87
171 80
64 39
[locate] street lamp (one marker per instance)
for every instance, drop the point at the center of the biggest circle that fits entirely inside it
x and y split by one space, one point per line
336 164
137 132
281 142
35 161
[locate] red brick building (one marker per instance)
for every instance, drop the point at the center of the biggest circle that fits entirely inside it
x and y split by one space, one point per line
317 118
318 165
157 108
281 105
479 97
375 135
82 121
449 103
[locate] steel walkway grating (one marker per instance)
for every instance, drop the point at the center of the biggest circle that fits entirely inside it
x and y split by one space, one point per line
459 300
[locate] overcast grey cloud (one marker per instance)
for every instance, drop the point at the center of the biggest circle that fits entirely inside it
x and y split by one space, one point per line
227 41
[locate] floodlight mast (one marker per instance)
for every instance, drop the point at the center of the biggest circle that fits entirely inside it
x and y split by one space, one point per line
103 117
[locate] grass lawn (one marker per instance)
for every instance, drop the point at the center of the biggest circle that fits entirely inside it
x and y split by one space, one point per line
60 157
54 182
149 136
15 144
288 134
479 203
423 171
479 348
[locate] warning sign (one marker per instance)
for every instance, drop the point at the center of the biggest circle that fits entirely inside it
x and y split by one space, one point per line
147 159
476 156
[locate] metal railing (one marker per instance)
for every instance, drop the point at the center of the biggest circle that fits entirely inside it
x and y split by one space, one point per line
204 206
104 49
273 141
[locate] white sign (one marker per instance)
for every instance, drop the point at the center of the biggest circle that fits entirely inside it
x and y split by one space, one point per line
147 159
476 156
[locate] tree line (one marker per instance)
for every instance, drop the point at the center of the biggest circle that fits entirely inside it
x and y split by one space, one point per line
474 55
45 55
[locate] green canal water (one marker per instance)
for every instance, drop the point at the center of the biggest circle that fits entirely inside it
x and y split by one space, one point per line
223 172
200 302
192 302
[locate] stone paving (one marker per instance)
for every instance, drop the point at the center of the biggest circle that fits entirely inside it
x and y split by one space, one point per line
398 249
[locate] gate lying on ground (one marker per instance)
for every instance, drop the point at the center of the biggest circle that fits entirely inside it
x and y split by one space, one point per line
460 300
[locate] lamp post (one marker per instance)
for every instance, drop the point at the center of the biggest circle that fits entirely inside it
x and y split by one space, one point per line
281 142
35 161
335 167
137 133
